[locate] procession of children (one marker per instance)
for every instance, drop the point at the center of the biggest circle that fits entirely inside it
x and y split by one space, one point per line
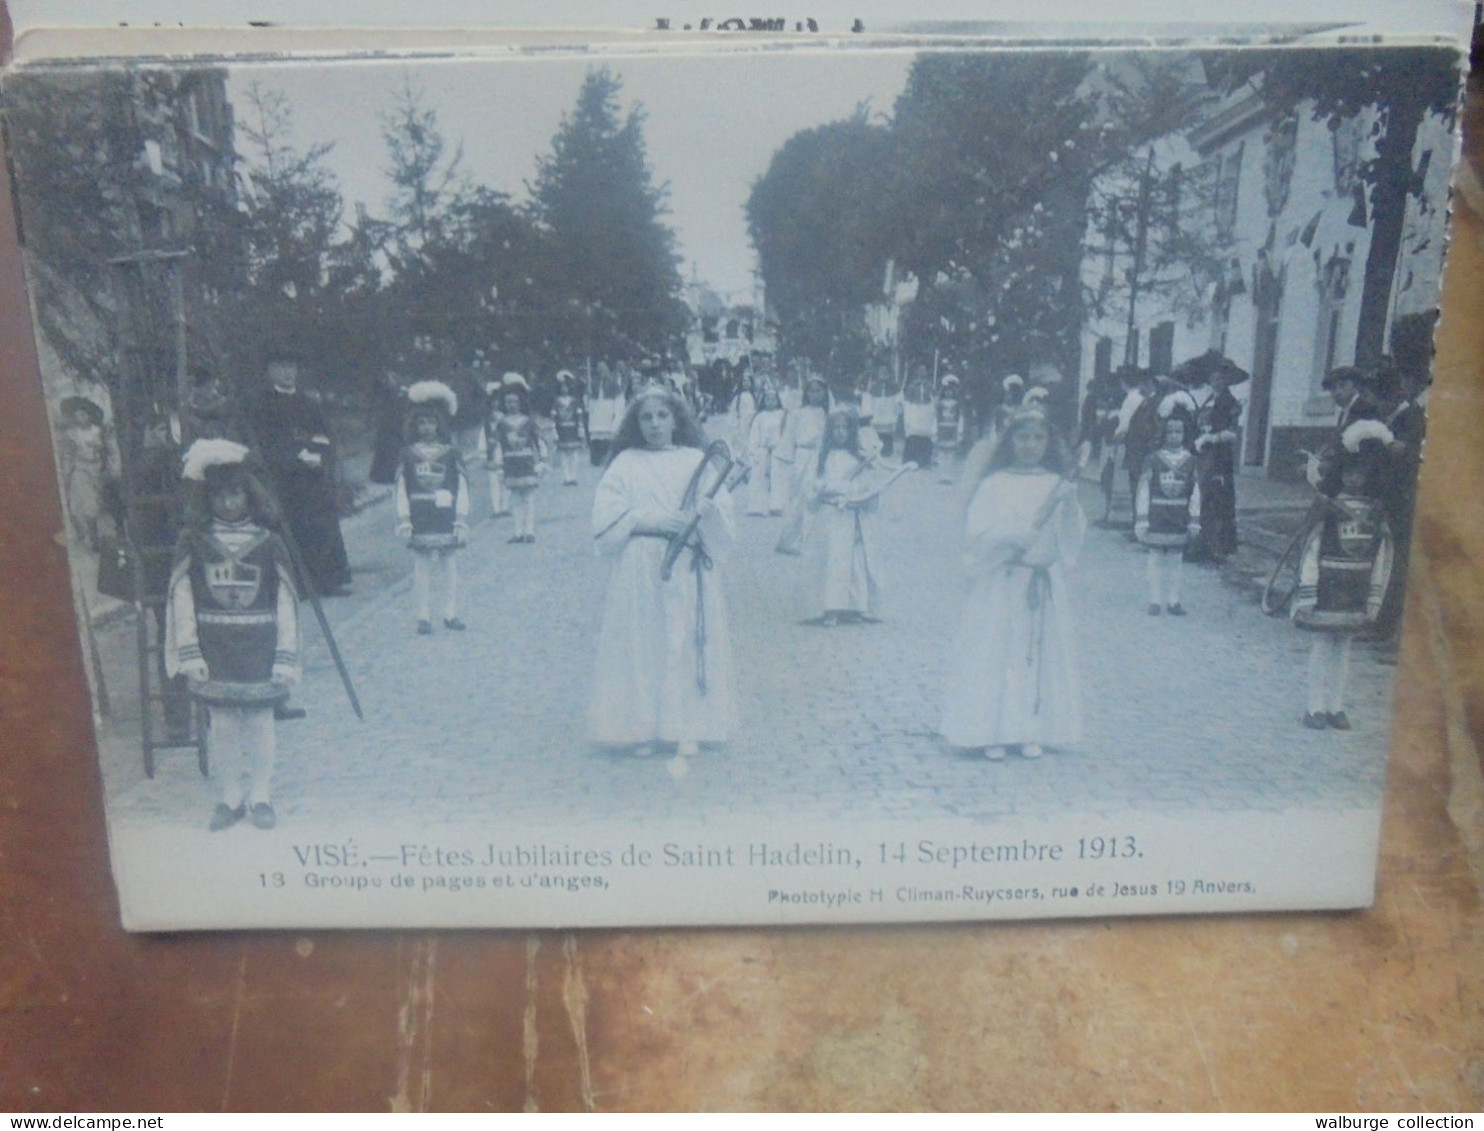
667 504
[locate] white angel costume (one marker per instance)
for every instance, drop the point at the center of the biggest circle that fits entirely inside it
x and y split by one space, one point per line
664 655
1012 678
838 572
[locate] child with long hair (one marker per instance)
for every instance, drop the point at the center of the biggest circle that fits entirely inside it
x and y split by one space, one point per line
803 432
664 665
432 496
1012 680
768 493
838 581
232 625
517 453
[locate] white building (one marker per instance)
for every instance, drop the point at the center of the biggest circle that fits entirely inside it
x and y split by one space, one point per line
1279 204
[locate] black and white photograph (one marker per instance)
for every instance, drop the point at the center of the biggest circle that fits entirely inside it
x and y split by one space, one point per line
620 487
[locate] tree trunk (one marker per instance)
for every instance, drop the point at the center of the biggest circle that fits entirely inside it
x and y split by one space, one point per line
1389 192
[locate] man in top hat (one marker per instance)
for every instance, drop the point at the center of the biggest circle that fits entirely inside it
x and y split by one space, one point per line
293 435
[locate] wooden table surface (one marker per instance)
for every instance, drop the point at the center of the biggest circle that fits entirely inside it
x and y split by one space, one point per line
1372 1010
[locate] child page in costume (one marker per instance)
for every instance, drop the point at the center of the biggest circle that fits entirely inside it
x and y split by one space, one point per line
1020 666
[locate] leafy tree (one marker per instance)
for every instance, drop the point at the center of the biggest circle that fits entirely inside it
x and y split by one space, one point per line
425 176
817 218
998 159
112 168
611 257
297 296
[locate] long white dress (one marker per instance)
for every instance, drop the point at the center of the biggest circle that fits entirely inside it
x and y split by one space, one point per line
660 640
769 483
838 572
1012 677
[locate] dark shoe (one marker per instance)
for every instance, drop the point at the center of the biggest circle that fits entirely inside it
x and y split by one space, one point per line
1175 610
515 538
282 712
425 628
1316 720
1338 720
224 818
530 539
263 816
454 624
1155 610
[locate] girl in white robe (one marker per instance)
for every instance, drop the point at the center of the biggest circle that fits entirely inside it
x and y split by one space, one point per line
664 657
803 432
838 581
769 484
1012 680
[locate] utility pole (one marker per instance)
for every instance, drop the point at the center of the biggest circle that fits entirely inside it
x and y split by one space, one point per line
1141 243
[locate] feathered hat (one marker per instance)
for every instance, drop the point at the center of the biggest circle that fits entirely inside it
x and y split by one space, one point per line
1177 400
1034 395
513 380
1363 448
433 394
1014 381
566 375
212 455
949 378
1363 431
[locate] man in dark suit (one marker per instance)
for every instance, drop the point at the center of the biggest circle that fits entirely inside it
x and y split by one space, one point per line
293 437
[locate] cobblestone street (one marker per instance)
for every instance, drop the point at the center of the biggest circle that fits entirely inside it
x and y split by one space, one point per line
838 724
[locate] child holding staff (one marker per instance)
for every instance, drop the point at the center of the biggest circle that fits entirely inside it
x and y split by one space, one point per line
1012 681
232 626
664 665
768 493
838 581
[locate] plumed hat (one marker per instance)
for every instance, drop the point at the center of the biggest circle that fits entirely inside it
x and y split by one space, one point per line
1034 395
432 394
1014 381
209 455
1177 400
513 380
949 378
1363 431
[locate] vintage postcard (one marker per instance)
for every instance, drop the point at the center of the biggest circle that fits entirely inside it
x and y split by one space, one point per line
816 477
